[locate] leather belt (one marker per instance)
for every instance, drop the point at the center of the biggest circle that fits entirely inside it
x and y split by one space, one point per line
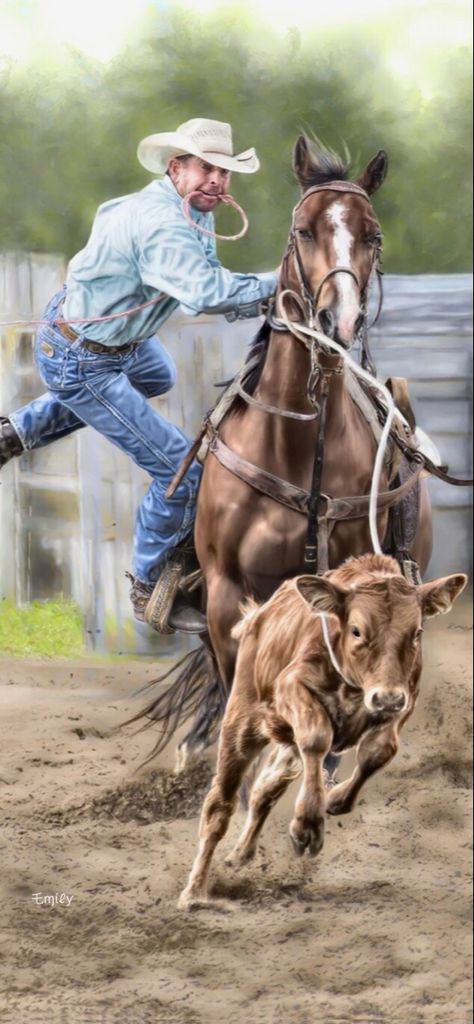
94 346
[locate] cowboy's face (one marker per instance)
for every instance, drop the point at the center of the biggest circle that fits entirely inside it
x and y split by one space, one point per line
191 174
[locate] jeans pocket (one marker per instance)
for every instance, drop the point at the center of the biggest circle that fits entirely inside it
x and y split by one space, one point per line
51 359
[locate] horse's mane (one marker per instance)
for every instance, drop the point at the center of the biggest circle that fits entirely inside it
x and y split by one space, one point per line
258 347
322 164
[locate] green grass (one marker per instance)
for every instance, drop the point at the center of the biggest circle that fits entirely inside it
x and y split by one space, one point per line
43 628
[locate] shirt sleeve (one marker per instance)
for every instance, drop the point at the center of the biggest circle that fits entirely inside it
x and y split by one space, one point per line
173 259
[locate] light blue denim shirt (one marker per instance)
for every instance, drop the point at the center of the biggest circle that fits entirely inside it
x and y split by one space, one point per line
141 245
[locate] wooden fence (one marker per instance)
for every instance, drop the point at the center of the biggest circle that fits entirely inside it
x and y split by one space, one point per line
67 510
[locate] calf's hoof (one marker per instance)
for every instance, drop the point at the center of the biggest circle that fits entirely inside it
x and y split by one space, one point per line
239 858
306 839
337 803
192 901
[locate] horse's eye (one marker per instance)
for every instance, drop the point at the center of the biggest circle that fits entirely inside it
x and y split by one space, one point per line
356 632
375 239
304 234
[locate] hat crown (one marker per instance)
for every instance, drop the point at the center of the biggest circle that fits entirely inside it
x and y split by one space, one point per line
209 136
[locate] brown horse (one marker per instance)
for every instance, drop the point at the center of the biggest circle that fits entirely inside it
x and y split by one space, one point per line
250 534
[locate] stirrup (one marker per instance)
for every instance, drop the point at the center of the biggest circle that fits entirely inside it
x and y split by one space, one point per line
161 601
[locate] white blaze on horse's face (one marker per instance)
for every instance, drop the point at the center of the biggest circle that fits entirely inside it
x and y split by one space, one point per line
348 299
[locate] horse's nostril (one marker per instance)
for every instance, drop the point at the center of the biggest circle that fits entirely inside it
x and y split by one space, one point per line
327 322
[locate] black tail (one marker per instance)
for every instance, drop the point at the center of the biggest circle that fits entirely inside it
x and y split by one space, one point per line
197 690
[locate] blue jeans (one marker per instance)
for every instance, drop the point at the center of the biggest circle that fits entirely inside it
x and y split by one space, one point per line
109 392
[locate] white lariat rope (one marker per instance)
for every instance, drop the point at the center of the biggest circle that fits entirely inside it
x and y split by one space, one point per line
330 649
301 331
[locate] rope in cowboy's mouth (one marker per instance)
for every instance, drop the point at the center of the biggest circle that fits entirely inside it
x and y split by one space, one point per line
226 199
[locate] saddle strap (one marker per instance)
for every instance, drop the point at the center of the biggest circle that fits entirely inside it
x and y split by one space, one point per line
296 498
273 486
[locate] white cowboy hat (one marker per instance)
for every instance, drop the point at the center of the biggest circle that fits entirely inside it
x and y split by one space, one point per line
209 140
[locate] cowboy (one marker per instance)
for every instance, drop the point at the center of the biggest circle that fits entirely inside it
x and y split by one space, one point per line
101 368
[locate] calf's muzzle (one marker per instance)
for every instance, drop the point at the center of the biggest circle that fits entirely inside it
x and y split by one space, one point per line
379 699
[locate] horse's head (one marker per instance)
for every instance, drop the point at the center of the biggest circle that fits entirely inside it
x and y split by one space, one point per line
335 241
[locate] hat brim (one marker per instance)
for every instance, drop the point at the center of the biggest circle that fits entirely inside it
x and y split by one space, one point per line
156 151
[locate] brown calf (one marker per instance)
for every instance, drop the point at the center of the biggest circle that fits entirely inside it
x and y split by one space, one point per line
326 664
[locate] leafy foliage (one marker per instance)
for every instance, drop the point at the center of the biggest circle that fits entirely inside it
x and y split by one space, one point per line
44 628
69 132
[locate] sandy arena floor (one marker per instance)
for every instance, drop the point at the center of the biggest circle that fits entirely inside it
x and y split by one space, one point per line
376 930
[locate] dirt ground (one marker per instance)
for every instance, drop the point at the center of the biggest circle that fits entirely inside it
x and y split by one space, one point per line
94 854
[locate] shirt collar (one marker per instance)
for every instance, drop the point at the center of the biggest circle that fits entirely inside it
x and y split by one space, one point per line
167 184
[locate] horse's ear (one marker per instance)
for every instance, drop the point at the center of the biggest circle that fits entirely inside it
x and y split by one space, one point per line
375 172
301 161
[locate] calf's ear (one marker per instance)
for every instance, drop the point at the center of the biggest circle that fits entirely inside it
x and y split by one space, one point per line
322 595
438 596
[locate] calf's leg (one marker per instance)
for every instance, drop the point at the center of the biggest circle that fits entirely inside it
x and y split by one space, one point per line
282 767
375 750
313 737
238 745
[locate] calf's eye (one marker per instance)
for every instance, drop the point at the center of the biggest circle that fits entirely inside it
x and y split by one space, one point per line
356 632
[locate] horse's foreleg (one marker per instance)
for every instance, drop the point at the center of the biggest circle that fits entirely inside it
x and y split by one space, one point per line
282 767
313 737
222 613
237 747
223 601
421 547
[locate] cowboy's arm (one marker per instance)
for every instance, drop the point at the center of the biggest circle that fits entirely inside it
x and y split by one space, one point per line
173 259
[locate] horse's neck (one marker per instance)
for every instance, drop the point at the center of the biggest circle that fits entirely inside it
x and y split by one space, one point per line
286 373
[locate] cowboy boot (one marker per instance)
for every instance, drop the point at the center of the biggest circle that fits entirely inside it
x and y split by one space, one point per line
167 606
10 444
140 594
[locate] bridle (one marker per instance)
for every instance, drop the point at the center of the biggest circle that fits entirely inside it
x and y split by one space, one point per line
308 300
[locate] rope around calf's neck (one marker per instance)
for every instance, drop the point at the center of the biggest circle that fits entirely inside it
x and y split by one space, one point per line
330 649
